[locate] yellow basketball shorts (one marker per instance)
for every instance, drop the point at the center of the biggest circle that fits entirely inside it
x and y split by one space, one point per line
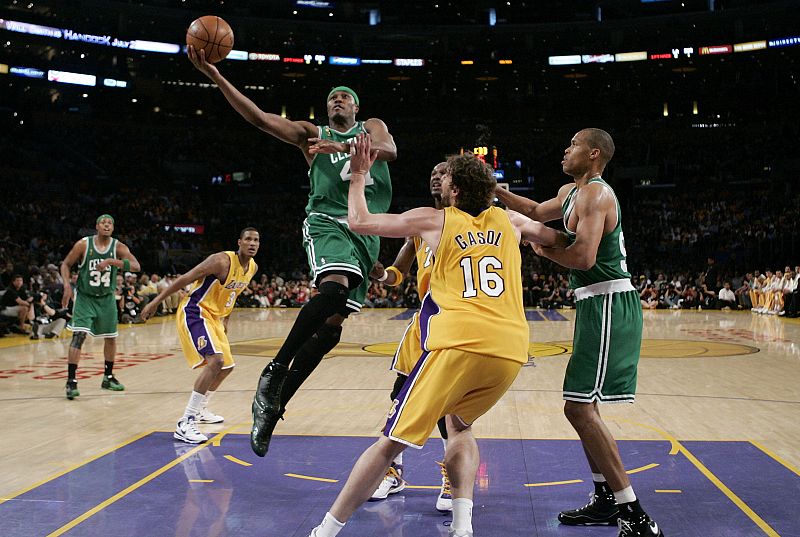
447 381
409 350
202 335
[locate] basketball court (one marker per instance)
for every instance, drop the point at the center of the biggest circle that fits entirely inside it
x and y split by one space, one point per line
711 444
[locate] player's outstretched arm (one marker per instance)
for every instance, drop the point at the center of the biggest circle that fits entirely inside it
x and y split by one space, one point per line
77 252
403 261
423 221
292 132
381 140
535 232
216 264
541 212
582 253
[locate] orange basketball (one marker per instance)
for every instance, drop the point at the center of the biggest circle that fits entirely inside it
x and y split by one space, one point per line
211 34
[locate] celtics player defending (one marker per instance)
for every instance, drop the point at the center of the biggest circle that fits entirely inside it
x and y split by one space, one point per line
340 260
608 325
94 309
464 368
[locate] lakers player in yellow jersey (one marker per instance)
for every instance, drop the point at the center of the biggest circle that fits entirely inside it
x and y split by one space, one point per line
464 368
409 350
202 321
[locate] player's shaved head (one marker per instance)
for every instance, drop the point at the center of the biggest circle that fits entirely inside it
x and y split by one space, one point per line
600 139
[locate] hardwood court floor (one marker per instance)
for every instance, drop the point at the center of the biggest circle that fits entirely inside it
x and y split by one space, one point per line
704 377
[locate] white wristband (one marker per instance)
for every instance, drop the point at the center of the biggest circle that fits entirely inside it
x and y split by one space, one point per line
385 275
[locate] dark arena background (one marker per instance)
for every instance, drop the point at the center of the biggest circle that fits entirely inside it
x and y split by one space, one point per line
102 112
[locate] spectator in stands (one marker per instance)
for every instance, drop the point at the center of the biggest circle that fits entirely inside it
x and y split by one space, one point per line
17 303
147 289
130 302
690 297
670 298
707 297
649 297
726 299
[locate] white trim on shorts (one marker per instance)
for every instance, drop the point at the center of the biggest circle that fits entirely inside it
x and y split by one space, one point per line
604 288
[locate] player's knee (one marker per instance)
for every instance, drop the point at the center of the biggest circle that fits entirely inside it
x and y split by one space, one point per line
577 413
215 362
77 340
332 298
329 335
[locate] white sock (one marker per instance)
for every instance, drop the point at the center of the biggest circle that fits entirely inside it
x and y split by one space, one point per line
195 404
462 514
599 478
625 495
207 398
330 527
398 459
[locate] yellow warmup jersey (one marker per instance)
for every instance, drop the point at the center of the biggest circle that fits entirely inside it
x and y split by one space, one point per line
475 297
424 265
218 298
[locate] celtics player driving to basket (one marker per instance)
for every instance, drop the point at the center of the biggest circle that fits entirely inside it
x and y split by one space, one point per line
94 309
340 260
608 325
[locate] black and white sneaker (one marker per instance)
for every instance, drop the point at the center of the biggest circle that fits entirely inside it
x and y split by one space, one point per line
639 526
600 511
187 431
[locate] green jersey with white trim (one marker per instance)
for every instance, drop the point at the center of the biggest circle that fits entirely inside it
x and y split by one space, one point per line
91 281
330 178
611 261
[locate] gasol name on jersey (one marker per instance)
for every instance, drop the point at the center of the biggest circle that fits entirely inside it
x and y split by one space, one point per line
465 240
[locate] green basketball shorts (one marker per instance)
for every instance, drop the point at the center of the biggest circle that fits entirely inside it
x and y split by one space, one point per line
96 316
332 247
606 346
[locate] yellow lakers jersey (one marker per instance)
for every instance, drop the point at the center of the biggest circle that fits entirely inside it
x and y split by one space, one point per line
424 265
475 297
218 298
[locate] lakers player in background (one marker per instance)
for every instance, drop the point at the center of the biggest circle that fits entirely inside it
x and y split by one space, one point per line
464 367
94 307
608 325
202 322
409 350
340 260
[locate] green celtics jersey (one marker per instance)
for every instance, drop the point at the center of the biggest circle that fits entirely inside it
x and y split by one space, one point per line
610 263
330 179
91 281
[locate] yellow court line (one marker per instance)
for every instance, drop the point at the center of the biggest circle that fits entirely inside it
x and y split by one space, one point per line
310 478
760 522
670 491
210 481
571 481
642 468
75 467
121 494
784 462
237 461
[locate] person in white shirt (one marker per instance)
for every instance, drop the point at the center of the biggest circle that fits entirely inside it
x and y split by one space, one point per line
726 297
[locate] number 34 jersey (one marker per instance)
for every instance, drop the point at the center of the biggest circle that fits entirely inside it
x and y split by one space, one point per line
91 281
475 298
218 298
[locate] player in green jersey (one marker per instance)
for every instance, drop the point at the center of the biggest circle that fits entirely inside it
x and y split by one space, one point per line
340 260
94 308
608 324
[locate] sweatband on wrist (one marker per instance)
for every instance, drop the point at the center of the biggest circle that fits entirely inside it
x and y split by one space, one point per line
398 276
126 265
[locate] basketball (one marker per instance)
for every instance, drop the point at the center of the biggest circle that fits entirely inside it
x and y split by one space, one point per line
211 34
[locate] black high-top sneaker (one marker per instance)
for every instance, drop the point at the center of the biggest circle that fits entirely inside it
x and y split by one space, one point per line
600 511
267 407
